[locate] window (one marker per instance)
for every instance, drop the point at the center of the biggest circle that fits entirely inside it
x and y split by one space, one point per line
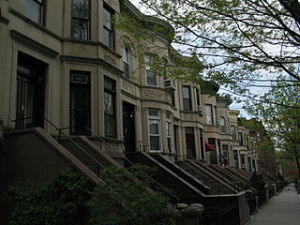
34 10
240 137
80 19
222 125
187 100
151 78
126 62
233 132
154 129
198 97
80 102
209 114
108 31
110 107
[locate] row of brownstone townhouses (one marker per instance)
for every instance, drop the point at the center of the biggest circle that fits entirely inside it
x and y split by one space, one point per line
73 83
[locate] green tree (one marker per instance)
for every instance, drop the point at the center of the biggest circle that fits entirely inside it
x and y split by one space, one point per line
282 122
60 202
124 198
236 40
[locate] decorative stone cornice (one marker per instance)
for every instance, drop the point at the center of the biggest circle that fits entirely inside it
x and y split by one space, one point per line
33 44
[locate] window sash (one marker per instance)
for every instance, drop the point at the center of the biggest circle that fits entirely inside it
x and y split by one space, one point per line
187 100
209 114
110 108
80 21
108 30
233 132
154 135
34 10
126 62
222 125
81 9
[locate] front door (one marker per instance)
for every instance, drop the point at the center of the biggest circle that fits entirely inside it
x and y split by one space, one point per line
129 127
30 100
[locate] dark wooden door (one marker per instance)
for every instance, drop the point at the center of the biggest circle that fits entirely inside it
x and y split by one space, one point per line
129 127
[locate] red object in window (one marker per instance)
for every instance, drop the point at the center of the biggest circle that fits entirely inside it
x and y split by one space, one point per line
209 147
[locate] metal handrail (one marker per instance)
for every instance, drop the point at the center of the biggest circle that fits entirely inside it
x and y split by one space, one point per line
131 163
61 133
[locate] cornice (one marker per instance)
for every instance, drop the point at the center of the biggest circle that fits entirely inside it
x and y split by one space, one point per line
33 44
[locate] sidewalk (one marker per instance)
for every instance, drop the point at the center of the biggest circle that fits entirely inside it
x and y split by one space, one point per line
283 209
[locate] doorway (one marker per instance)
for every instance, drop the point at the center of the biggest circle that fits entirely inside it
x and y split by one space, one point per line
129 127
30 101
190 143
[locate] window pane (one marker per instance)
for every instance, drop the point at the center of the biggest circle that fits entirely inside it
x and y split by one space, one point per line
79 99
107 19
233 133
126 70
108 103
110 126
126 62
154 128
34 10
80 9
208 112
153 112
80 29
126 55
154 143
151 78
109 84
186 92
187 103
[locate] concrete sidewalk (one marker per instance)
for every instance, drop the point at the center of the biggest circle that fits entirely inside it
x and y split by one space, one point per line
283 209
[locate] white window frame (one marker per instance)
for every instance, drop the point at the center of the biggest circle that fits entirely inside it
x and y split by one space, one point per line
154 120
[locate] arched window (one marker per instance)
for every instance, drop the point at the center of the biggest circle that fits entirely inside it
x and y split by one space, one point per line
222 125
126 62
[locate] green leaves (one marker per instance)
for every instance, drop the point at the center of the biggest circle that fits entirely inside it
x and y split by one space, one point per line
62 201
124 198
